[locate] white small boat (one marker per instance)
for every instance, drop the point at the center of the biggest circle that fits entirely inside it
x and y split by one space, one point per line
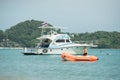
54 43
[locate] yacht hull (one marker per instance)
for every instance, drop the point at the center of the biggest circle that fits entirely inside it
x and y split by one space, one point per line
38 51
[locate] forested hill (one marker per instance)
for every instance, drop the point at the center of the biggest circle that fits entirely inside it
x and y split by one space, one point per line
24 34
102 38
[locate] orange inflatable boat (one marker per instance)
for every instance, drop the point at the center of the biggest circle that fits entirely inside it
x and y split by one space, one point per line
69 57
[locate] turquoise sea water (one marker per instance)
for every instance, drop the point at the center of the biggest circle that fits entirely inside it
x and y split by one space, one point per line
16 66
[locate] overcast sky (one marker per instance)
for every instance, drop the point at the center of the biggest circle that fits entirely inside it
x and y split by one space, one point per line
76 15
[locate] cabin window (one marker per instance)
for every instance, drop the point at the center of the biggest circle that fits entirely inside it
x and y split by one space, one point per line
67 40
61 48
45 43
67 48
60 40
50 50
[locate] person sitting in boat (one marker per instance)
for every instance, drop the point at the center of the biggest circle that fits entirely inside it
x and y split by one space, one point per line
84 51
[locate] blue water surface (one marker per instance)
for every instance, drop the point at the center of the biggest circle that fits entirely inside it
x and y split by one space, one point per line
16 66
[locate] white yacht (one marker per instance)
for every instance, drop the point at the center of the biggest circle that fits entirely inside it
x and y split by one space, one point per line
52 42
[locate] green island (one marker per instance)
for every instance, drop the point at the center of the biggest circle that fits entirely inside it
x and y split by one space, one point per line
24 34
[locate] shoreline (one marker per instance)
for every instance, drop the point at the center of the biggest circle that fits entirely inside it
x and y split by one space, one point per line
23 48
105 48
11 47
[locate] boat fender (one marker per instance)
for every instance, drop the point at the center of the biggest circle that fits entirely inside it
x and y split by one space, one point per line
44 50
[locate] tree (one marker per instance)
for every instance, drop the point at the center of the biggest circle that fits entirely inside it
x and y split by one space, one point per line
2 35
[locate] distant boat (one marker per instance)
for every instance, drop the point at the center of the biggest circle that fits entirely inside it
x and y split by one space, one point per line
54 43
